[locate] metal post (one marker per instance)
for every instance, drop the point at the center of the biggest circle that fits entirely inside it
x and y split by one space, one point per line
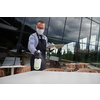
89 40
77 47
48 27
64 28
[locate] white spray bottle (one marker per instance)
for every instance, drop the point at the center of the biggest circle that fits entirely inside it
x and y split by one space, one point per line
37 62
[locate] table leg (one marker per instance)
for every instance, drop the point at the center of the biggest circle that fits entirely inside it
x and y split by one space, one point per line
12 71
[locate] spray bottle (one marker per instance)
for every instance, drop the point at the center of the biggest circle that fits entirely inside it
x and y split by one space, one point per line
37 61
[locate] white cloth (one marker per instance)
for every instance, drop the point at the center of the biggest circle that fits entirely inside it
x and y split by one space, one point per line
33 42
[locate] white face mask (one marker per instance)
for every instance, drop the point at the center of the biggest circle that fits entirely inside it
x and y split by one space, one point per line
39 31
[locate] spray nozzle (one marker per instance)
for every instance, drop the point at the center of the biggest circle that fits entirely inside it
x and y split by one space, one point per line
39 51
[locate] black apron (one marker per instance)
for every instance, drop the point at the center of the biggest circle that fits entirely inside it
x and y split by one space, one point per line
42 47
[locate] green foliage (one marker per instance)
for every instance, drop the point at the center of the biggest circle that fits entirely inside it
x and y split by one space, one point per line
69 55
53 54
82 57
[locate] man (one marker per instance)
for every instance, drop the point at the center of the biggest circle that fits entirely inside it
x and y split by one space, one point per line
38 41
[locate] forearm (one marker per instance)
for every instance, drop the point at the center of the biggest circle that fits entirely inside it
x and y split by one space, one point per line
32 49
32 44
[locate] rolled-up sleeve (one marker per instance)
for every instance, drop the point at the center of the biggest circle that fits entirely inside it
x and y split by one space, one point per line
32 43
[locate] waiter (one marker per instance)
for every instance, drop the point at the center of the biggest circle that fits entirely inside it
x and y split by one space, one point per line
38 41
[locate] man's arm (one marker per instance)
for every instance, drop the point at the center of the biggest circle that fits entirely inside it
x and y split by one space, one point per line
32 43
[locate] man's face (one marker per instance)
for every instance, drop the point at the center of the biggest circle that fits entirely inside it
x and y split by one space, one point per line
41 26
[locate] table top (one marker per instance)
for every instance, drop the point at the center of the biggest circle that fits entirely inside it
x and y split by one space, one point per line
50 77
12 66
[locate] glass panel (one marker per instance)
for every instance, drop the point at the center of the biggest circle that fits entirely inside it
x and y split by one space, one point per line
54 40
71 46
83 51
99 45
30 24
98 55
68 51
97 19
85 30
72 28
56 27
99 42
92 46
93 42
99 48
94 36
84 40
11 23
83 44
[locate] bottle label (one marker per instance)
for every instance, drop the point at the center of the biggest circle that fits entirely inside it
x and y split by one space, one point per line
37 64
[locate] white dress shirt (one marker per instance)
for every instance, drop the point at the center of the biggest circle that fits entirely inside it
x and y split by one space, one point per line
33 42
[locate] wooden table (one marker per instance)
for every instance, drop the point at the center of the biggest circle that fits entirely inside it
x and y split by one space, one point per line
50 77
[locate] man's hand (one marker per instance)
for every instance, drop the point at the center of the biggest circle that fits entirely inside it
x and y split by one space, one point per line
48 50
37 55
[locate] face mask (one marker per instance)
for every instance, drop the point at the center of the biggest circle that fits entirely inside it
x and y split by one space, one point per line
39 31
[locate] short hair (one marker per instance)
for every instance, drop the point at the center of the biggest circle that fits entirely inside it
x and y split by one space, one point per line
40 21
